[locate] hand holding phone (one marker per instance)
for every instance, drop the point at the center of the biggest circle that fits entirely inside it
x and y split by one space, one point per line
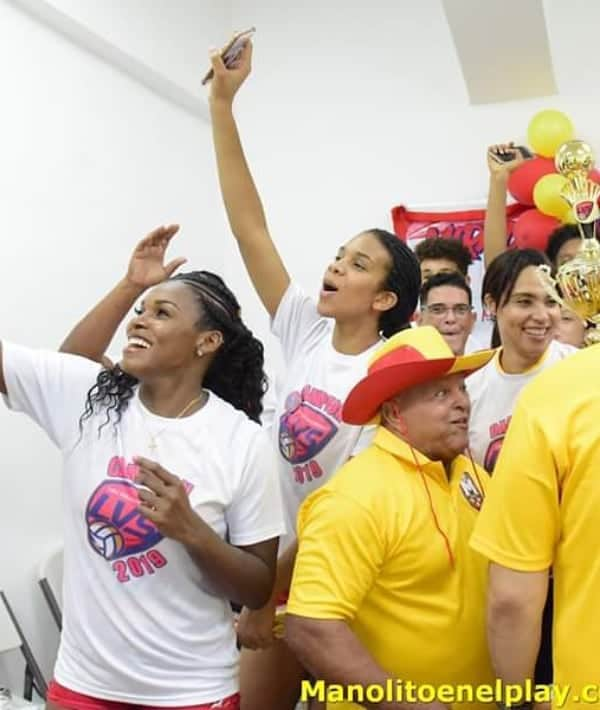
506 154
232 51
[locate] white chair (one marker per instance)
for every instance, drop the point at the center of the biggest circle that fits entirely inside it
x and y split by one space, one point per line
50 574
13 639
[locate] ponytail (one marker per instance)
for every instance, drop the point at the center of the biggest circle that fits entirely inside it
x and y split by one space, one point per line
404 279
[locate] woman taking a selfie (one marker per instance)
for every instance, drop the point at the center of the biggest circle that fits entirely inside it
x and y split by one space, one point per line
369 291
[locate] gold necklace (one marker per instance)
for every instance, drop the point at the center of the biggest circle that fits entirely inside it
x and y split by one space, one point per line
152 445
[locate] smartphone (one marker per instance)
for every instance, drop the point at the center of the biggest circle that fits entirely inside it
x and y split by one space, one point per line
509 155
232 51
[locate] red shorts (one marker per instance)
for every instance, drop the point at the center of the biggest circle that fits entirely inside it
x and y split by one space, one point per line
65 698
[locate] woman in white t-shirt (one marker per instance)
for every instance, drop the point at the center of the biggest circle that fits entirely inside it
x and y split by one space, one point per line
369 290
526 323
172 503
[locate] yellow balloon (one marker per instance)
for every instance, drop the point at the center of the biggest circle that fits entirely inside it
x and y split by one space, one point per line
546 195
568 217
548 130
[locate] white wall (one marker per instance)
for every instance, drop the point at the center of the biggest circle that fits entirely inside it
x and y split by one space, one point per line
172 38
90 162
353 108
356 107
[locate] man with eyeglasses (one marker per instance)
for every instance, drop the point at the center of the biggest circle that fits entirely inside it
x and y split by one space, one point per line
446 304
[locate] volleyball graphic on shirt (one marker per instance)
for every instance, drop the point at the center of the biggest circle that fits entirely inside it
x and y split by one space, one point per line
304 430
116 528
105 539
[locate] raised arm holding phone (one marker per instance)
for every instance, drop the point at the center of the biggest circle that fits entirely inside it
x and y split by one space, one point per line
502 160
370 289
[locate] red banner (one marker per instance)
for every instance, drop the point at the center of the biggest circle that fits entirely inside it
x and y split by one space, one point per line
465 225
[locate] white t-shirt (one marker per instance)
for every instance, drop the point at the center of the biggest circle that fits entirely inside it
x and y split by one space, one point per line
478 341
269 404
141 623
308 432
493 395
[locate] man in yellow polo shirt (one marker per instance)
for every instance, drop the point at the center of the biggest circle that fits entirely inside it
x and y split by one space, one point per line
543 512
386 594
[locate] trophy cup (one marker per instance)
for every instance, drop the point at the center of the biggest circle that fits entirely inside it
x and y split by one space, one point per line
577 283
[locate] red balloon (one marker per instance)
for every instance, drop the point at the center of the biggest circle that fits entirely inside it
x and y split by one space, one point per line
522 181
532 229
595 175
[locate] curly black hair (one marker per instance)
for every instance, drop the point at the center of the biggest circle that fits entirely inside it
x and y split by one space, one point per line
113 389
404 279
450 249
236 373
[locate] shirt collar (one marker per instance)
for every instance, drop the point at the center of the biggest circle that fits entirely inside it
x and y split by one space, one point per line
528 371
399 448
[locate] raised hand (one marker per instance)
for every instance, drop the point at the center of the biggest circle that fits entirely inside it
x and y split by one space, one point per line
497 167
146 266
227 81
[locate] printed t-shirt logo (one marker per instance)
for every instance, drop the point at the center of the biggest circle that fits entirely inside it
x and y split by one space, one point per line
308 424
470 491
115 526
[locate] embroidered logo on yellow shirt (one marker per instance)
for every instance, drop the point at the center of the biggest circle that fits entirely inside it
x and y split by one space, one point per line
470 491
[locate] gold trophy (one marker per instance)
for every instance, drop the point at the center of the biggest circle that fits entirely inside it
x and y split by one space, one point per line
577 283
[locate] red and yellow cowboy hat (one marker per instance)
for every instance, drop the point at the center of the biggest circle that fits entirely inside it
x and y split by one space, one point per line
411 357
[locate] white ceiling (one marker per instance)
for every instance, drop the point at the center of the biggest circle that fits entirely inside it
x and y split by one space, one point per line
487 50
502 58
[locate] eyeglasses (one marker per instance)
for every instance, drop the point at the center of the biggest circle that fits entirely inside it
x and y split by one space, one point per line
460 310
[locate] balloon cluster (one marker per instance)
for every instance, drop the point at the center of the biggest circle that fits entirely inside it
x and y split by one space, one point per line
537 184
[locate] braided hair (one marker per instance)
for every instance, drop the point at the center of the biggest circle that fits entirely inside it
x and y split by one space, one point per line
404 279
235 374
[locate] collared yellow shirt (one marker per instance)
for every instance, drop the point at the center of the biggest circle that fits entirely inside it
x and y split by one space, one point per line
384 547
543 509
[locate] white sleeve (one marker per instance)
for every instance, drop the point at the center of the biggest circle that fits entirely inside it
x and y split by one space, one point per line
49 387
269 404
295 319
256 512
365 438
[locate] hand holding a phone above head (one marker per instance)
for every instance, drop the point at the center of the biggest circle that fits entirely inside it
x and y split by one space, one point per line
227 78
504 158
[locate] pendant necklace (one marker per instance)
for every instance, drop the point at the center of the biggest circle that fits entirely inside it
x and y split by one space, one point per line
152 444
